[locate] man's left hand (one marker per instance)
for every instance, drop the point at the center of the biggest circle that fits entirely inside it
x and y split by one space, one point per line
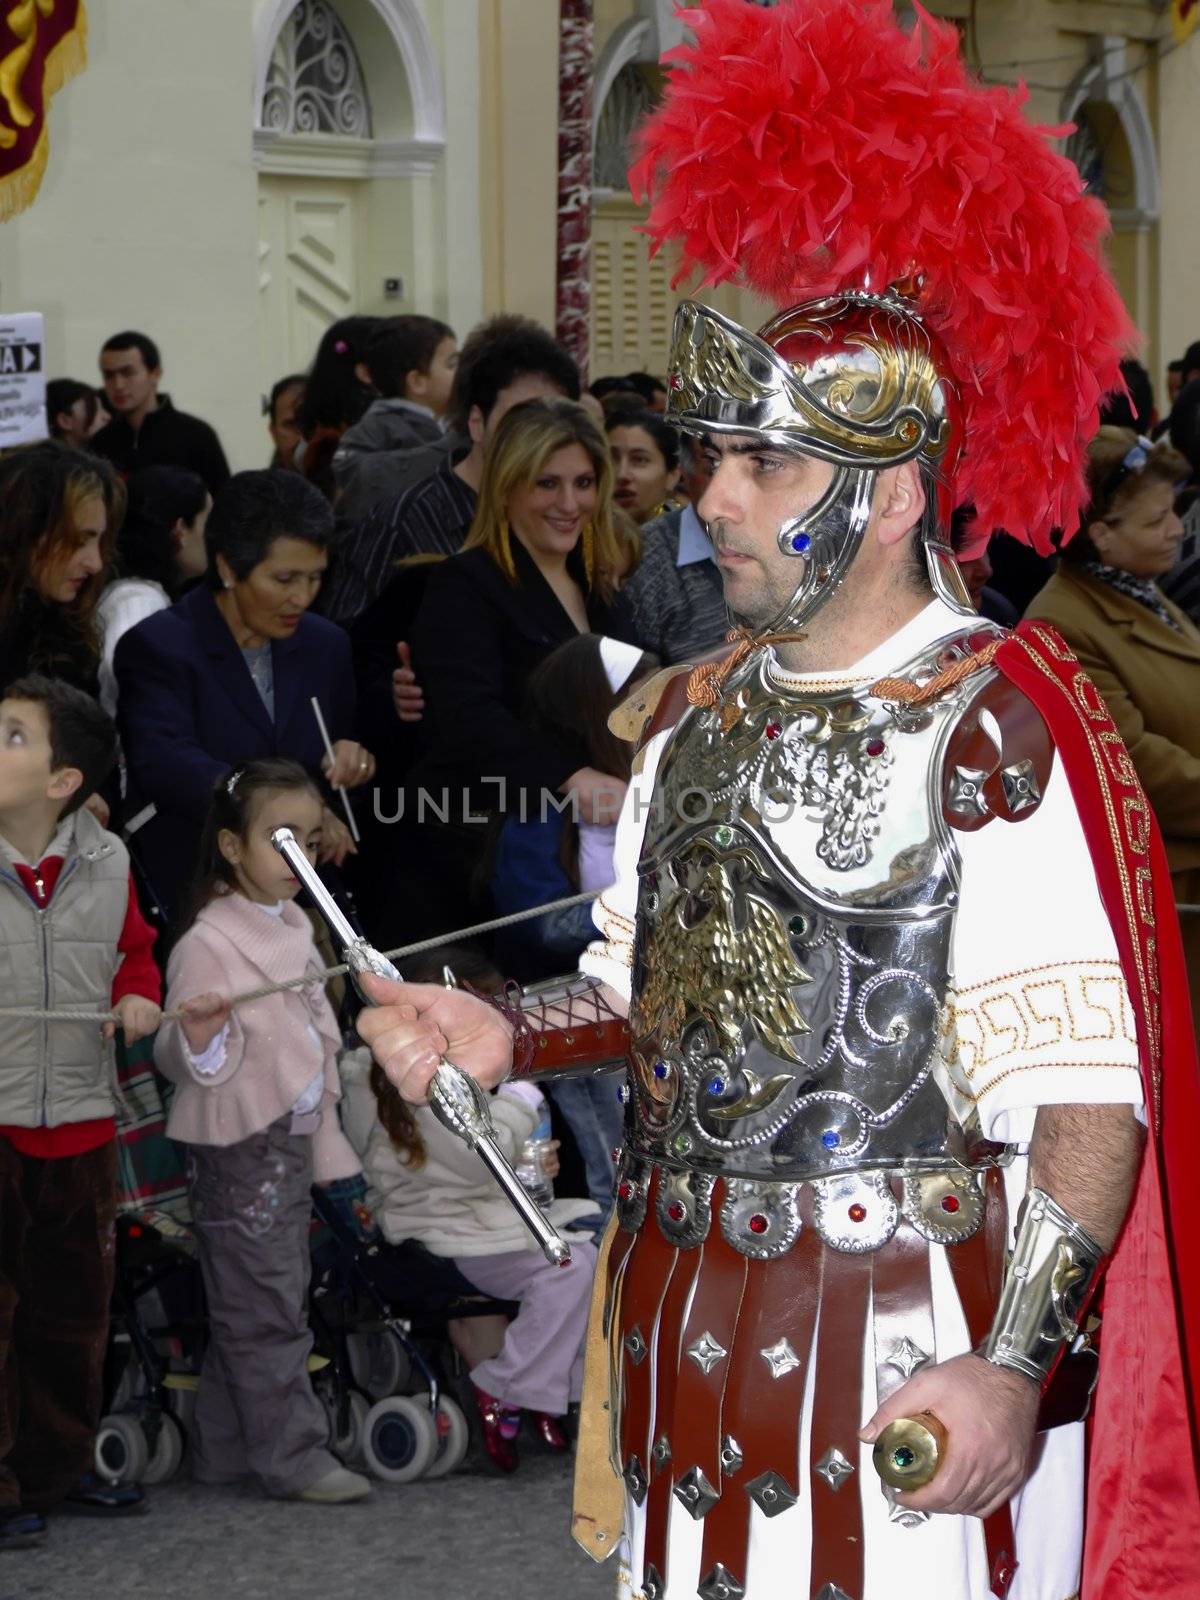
990 1417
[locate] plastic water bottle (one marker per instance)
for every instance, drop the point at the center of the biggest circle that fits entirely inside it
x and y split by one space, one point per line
531 1166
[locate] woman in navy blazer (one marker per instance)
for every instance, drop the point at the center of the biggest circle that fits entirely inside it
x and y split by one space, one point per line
229 672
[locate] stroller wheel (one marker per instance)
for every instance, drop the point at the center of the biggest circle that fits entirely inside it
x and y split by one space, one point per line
120 1452
347 1415
166 1456
379 1363
454 1438
400 1439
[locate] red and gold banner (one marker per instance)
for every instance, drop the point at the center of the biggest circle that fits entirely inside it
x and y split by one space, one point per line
42 44
1184 16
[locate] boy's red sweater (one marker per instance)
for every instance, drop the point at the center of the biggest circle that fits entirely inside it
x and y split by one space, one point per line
137 974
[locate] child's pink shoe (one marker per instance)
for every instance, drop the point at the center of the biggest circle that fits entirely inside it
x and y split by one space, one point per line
500 1426
550 1431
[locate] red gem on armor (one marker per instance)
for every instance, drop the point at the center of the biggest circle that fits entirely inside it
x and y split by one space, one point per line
875 747
758 1223
950 1203
773 730
858 1213
624 1190
676 1211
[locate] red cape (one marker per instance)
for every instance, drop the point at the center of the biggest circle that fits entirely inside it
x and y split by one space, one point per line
1143 1502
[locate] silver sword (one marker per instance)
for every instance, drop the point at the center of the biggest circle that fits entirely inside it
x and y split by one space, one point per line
455 1098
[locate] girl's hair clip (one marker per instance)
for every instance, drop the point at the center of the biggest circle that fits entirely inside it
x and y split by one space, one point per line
341 347
231 782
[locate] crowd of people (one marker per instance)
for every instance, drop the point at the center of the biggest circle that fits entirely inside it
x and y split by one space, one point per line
404 639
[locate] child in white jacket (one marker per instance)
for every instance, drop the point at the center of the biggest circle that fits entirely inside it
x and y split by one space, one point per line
256 1107
425 1184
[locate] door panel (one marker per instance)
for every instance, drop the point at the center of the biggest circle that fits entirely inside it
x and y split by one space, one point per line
308 256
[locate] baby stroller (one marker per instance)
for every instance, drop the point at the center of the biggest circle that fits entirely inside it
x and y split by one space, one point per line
379 1314
153 1357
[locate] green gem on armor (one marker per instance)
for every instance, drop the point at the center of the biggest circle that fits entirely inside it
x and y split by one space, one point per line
681 1143
798 927
903 1457
723 836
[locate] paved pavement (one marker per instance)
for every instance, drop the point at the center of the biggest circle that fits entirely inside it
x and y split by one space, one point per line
460 1538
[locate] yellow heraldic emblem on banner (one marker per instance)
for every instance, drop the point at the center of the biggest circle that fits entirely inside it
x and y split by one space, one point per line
1184 16
42 44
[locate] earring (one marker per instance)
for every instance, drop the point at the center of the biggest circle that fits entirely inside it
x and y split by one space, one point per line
228 585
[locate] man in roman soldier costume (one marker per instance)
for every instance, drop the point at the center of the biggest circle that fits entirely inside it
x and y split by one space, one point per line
910 1080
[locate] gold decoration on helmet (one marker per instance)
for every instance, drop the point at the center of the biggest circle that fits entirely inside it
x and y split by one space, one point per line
854 379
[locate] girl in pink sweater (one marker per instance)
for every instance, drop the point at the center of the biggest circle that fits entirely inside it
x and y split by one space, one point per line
255 1105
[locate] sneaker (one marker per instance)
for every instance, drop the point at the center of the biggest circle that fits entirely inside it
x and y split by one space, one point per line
337 1487
500 1427
21 1530
94 1496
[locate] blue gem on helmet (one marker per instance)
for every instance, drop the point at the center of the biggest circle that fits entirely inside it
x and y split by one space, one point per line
800 543
831 1138
660 1069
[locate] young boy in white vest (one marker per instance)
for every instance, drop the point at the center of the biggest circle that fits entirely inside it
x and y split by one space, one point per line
71 939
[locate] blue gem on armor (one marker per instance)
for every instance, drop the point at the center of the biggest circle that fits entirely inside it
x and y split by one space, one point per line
800 543
660 1069
831 1139
716 1086
622 1094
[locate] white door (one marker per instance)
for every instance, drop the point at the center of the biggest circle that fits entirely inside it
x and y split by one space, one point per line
309 255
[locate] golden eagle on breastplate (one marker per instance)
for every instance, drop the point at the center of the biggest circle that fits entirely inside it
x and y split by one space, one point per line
717 952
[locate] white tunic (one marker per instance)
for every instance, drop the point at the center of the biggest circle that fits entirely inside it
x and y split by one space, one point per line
1041 1016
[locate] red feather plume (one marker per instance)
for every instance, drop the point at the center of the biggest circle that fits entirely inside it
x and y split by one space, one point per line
804 147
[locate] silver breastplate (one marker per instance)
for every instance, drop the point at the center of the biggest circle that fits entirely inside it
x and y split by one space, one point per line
795 913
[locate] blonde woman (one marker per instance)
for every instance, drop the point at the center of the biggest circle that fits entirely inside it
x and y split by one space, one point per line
540 566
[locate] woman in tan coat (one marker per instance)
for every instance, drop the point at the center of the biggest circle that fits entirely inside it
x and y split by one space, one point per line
1142 652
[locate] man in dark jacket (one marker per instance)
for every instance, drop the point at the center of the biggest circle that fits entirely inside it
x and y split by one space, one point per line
146 430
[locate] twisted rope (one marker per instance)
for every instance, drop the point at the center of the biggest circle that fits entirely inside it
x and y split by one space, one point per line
903 692
321 975
706 683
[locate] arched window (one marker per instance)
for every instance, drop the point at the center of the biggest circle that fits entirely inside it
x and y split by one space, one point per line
314 80
1085 147
635 93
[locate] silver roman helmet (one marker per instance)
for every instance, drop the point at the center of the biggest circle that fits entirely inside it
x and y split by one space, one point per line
857 380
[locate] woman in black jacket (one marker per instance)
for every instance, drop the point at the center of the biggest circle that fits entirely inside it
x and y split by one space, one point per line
540 565
59 514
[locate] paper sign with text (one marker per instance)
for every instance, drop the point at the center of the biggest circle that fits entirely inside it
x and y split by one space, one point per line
22 379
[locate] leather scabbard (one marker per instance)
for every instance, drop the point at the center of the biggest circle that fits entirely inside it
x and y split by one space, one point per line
598 1502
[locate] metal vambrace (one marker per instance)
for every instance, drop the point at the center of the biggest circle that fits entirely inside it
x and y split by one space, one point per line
1053 1270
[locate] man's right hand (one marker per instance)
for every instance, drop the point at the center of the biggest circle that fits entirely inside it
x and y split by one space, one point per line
411 1026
